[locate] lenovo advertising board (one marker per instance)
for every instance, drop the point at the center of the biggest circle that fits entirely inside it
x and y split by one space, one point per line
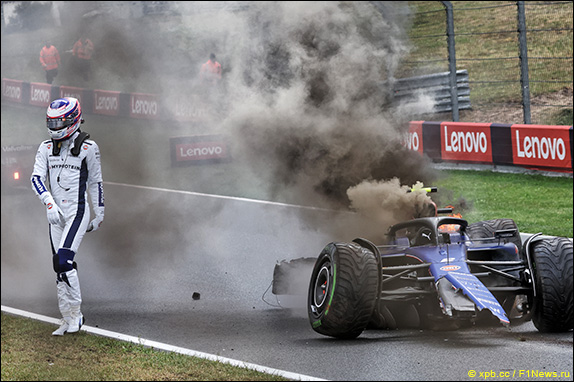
199 149
71 91
40 94
542 146
106 102
466 142
144 106
414 139
11 90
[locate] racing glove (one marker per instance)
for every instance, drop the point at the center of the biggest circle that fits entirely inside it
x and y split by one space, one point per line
97 195
54 212
95 223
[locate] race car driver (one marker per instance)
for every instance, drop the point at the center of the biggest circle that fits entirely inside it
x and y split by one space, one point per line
67 167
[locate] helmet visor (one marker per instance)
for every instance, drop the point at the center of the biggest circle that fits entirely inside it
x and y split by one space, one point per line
60 123
56 124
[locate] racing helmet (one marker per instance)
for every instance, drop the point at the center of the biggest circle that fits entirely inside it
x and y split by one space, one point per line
63 118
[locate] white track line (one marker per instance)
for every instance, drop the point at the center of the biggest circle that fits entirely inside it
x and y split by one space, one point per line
170 348
176 349
524 235
222 197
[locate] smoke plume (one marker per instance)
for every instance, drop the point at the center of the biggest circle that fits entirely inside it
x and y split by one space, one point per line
306 96
305 101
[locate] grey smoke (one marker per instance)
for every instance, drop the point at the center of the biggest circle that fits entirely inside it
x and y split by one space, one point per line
306 94
306 105
302 103
305 98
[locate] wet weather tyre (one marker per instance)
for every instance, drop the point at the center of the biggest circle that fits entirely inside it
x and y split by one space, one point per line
552 305
486 229
343 290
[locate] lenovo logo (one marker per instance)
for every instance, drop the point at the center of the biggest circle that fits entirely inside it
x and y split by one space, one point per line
536 145
468 142
465 141
106 102
540 147
12 92
144 106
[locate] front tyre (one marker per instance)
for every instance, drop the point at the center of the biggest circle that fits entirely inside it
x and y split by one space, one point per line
552 305
343 290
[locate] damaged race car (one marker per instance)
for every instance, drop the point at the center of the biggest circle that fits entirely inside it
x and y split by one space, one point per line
436 272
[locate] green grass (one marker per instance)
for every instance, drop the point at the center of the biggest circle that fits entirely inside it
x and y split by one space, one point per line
31 353
561 117
537 203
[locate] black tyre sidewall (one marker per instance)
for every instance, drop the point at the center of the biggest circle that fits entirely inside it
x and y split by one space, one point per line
552 305
487 228
350 298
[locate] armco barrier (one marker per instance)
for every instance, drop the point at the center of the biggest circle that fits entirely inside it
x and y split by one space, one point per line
537 147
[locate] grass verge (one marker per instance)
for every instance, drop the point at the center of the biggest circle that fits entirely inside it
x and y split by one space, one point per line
31 353
537 203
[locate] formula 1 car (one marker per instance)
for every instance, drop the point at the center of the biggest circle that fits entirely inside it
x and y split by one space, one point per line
437 272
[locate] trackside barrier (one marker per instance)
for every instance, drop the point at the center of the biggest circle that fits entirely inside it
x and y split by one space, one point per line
536 147
106 102
436 85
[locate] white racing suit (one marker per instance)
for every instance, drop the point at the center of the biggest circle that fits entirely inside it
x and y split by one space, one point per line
69 179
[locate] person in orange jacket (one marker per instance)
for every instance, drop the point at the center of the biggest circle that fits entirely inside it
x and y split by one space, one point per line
210 71
82 51
50 60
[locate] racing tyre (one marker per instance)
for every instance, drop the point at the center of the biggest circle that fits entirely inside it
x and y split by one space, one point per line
487 228
552 305
343 290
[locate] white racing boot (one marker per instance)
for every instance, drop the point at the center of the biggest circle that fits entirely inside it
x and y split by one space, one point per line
69 301
76 321
70 324
64 306
63 327
74 296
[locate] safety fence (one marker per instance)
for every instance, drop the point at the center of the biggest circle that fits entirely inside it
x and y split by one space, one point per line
538 147
518 53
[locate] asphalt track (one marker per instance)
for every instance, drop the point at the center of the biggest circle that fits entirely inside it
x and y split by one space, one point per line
158 247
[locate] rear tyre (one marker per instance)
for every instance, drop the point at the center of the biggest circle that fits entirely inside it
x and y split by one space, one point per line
487 228
343 290
552 305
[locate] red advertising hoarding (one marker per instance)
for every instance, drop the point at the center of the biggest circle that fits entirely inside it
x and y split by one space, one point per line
541 146
11 90
40 94
71 91
106 102
198 149
144 106
190 107
468 142
414 139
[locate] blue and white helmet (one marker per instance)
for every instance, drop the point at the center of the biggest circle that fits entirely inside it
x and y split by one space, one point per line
63 118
